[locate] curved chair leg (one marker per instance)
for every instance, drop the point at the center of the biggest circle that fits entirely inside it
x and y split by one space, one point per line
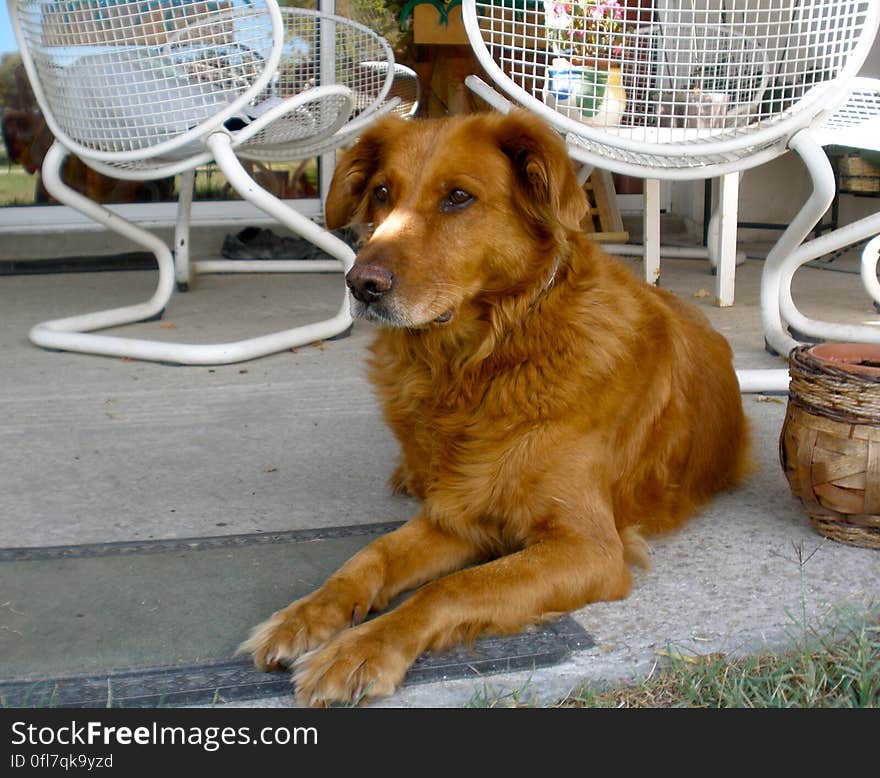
220 145
870 257
782 261
69 334
74 333
833 241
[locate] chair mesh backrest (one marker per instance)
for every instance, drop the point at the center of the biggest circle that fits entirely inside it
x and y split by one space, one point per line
121 76
321 50
708 68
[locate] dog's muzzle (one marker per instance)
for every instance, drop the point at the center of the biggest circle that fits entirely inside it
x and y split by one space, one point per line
370 286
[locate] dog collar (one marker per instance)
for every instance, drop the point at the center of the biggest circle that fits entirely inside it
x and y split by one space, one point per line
549 282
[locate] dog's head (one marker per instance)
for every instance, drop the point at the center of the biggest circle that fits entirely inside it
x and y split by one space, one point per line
460 209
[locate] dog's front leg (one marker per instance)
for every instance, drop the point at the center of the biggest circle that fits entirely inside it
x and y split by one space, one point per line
408 557
562 569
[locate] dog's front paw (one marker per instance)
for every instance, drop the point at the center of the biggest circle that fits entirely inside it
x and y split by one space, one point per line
300 627
360 663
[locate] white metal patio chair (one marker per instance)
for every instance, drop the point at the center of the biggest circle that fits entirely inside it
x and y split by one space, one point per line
711 89
145 89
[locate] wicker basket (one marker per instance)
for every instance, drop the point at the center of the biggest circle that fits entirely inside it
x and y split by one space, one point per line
830 441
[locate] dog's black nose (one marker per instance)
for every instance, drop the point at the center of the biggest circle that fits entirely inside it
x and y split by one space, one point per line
369 282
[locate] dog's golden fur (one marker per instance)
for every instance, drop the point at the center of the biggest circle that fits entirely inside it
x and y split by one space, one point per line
551 409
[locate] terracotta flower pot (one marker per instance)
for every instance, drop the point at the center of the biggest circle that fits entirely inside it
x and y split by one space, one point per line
855 357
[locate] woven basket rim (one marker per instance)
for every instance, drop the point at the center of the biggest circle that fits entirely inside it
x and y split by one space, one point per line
823 387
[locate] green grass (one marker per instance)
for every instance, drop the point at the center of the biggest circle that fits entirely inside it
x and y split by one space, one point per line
16 186
838 667
844 674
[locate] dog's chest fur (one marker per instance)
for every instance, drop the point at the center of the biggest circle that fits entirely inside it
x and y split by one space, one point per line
468 428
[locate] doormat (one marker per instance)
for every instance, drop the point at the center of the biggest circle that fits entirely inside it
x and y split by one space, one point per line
156 623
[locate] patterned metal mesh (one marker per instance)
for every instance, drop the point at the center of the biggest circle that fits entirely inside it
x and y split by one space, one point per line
128 75
662 76
862 107
321 50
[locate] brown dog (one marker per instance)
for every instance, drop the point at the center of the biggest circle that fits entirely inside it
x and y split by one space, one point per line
550 407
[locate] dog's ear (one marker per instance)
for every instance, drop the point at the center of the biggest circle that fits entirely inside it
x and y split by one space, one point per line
548 187
350 176
345 200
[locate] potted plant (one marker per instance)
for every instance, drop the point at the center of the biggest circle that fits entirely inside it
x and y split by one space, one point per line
583 80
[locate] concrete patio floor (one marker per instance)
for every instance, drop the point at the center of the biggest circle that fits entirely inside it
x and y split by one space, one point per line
98 450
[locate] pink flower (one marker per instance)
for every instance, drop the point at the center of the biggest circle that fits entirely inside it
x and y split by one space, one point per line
593 27
556 15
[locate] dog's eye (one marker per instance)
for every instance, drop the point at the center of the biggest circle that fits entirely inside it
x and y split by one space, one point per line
457 199
381 194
